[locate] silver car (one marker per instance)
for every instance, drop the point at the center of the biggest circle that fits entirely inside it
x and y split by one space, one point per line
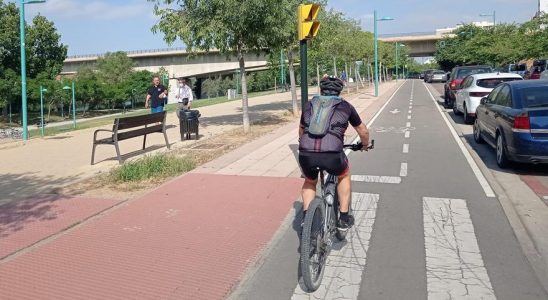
437 76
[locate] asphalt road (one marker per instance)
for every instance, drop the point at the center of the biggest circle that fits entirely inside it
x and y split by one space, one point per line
428 224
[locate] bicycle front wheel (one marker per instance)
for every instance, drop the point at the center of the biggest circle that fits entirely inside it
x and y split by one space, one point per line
314 248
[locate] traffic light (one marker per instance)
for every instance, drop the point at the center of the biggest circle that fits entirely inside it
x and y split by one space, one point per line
308 24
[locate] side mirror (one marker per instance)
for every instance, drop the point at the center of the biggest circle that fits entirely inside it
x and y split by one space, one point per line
484 100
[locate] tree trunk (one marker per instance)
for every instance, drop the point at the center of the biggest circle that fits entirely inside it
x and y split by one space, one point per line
293 83
243 81
335 66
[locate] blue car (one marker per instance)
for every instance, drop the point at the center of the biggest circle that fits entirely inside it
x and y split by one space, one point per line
514 120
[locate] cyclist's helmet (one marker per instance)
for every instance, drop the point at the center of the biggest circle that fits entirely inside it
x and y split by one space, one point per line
331 86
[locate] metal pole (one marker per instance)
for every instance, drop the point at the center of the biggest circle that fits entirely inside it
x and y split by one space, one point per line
73 107
282 65
23 70
42 110
376 54
494 18
304 77
397 77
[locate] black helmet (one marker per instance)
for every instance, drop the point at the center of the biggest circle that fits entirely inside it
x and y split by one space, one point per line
331 86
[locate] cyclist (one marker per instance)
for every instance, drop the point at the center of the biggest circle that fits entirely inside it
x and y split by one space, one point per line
324 121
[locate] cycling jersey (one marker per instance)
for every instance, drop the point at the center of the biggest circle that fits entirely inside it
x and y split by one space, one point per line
333 141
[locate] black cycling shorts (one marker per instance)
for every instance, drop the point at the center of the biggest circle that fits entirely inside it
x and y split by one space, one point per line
332 162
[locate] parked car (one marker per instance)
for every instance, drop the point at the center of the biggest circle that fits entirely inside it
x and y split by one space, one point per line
514 120
437 76
456 77
539 66
544 75
421 75
519 69
427 74
473 88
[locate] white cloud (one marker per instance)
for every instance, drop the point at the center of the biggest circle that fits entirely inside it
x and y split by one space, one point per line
93 9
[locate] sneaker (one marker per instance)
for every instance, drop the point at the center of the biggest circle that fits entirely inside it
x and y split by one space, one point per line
344 225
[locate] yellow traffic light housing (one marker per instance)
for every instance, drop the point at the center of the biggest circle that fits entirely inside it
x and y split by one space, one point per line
308 25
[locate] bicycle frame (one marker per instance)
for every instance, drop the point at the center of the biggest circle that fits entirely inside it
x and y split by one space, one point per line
332 205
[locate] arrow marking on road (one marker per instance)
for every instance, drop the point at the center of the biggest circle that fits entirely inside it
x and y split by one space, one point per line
395 111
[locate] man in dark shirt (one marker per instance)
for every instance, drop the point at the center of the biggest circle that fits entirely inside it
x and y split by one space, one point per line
326 151
156 94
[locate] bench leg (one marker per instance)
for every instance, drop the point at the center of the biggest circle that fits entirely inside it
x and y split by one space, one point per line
165 137
144 142
118 152
93 153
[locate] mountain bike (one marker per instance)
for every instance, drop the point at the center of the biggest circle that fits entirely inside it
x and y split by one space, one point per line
320 227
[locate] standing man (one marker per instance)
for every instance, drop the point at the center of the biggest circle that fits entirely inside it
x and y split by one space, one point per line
156 94
184 95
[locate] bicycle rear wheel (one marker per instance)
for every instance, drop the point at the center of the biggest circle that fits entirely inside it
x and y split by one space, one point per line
314 248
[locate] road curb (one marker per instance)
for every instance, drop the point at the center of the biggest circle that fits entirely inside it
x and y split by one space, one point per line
523 235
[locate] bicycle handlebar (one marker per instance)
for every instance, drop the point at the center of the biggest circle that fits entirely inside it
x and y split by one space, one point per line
358 146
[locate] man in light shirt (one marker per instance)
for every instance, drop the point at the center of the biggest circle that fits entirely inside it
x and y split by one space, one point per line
184 95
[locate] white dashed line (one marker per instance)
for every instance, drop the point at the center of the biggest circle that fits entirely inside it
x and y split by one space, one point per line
346 262
376 179
454 266
407 134
405 148
408 117
482 181
403 170
408 124
410 111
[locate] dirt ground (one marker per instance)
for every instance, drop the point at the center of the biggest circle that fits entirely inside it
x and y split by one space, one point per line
201 153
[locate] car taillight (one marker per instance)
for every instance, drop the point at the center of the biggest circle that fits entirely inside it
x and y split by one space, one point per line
522 123
479 94
453 85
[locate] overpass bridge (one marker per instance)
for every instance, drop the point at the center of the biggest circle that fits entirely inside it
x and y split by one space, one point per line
178 63
420 44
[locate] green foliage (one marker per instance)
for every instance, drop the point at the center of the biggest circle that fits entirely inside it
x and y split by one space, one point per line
152 167
506 43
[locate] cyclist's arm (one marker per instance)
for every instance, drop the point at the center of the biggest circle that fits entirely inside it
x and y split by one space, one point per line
301 130
363 132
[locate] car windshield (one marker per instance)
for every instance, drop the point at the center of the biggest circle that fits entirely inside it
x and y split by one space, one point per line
517 68
491 83
535 97
465 72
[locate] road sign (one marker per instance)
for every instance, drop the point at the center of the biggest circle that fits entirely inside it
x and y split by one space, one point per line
308 25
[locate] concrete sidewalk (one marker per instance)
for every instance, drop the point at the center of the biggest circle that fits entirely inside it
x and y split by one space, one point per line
191 238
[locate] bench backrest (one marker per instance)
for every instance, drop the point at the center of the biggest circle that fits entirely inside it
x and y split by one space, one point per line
131 122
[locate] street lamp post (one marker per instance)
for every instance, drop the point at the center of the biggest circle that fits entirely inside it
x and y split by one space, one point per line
71 88
24 120
494 15
376 49
42 91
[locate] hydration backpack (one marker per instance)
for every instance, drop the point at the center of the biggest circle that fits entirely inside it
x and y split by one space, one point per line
323 108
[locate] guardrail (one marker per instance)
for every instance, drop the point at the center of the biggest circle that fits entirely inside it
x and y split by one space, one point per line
129 52
407 34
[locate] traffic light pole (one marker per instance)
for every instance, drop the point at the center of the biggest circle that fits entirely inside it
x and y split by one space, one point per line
304 74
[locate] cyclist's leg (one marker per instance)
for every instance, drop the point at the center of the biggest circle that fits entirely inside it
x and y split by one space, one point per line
309 169
308 191
343 190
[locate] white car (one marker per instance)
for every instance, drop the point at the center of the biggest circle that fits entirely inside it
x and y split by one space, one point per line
544 75
473 88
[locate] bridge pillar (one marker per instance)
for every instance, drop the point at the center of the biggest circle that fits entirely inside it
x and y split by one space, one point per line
198 88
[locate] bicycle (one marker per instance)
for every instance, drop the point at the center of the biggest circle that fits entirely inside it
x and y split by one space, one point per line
319 227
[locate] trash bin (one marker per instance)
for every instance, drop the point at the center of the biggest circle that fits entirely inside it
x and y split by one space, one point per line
189 123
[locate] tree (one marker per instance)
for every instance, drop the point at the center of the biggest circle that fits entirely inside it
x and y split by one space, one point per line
114 71
230 26
45 53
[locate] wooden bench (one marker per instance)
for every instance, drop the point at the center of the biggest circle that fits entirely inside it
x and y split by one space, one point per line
153 123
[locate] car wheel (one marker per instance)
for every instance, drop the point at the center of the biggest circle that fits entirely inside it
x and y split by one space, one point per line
455 110
477 133
502 158
465 116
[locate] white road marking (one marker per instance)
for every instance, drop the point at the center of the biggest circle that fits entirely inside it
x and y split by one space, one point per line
408 117
545 197
410 106
410 111
395 111
376 179
405 148
408 124
454 266
403 170
346 261
407 134
482 181
347 151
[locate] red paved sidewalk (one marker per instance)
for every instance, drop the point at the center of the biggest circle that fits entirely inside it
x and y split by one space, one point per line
192 238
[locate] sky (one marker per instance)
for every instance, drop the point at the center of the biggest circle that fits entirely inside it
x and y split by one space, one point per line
99 26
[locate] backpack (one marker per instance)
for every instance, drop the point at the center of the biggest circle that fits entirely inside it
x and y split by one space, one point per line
323 108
